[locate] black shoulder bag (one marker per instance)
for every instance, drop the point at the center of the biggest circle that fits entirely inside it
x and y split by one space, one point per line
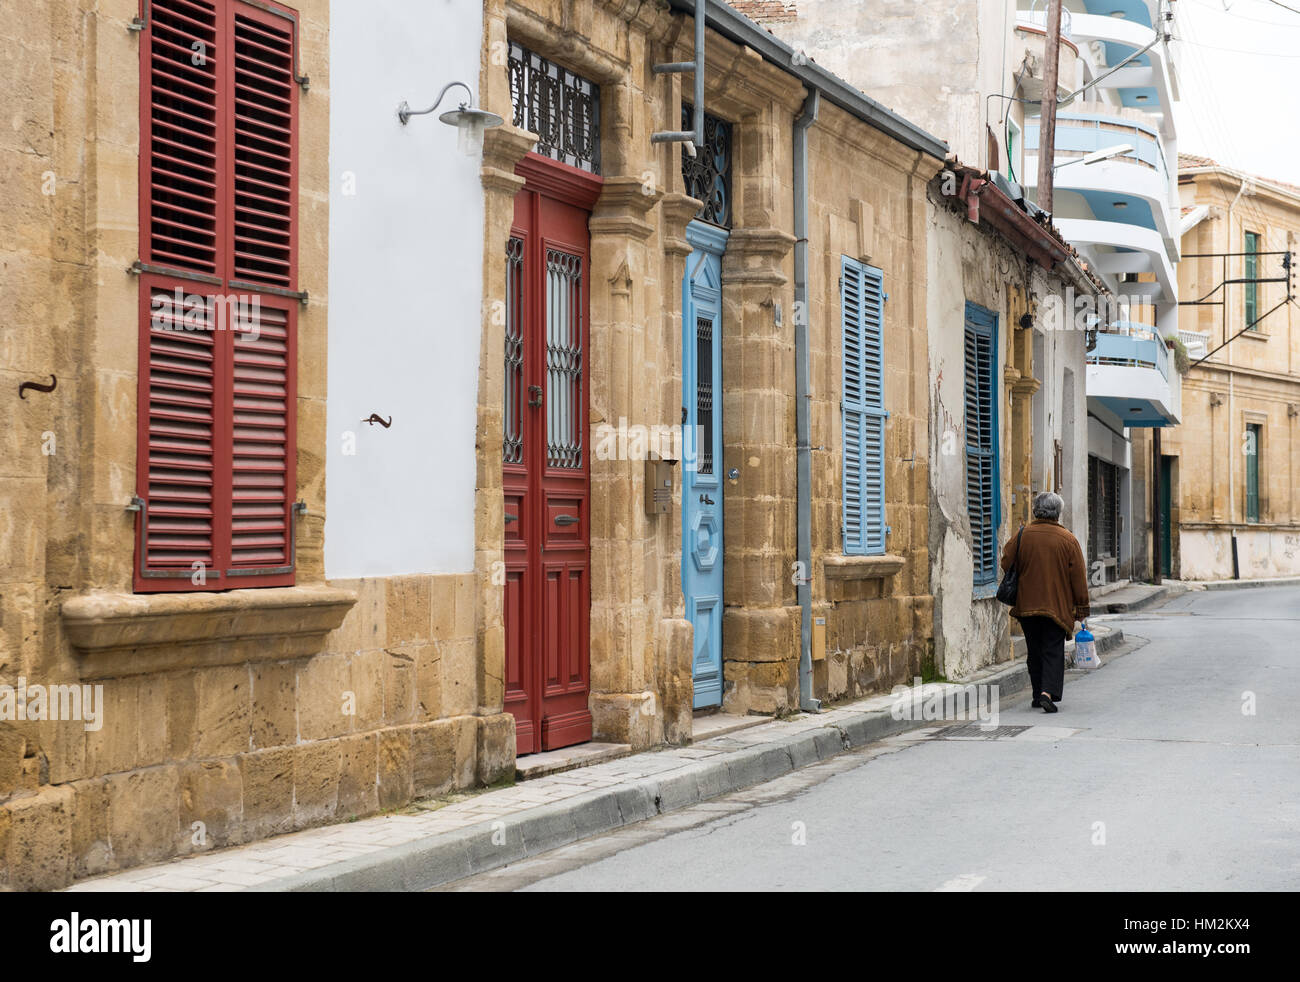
1011 579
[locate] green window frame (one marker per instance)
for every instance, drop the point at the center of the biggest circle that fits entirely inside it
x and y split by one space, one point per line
1251 273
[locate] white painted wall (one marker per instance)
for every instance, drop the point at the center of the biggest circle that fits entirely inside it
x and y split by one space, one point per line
1206 554
405 291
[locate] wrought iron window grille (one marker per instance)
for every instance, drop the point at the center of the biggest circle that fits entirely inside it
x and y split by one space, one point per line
560 106
707 175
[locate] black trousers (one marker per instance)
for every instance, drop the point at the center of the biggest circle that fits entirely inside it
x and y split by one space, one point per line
1045 640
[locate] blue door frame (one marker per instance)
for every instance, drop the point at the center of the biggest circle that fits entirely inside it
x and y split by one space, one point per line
702 456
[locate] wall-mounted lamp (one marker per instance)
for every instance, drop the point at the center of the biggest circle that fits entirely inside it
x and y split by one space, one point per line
470 122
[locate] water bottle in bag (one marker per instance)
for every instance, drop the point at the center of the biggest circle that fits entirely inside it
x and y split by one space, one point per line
1085 649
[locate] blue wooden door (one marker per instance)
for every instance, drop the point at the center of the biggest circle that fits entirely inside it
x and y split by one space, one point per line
702 455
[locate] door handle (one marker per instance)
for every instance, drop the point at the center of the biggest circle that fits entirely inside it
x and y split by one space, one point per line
706 500
536 392
567 519
511 518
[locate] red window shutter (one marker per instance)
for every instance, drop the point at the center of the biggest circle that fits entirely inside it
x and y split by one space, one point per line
265 148
178 429
182 162
262 471
217 445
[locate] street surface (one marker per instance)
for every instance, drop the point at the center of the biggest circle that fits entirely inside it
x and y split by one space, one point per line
1151 777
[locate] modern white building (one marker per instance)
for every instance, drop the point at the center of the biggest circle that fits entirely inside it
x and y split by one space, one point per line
1121 210
406 291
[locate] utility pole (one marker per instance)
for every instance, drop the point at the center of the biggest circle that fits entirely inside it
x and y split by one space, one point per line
1047 124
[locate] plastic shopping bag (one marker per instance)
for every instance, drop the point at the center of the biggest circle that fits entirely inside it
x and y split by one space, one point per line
1085 649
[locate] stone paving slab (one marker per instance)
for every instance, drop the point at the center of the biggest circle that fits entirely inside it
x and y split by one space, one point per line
432 843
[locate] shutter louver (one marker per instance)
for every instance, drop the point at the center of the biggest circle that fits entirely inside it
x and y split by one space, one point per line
182 162
216 471
264 152
863 408
981 452
260 465
179 394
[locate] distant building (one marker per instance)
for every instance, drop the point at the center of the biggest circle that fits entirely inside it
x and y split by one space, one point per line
1234 464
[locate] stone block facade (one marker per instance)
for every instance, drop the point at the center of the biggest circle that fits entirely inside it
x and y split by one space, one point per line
223 717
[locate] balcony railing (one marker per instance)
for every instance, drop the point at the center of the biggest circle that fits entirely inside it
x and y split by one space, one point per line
1139 348
1078 134
1196 342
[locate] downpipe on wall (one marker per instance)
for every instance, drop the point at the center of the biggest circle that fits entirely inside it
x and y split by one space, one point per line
803 395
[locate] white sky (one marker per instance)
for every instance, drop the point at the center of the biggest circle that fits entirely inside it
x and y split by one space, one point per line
1237 105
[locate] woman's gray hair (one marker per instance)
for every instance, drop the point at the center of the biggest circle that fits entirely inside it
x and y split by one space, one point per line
1048 504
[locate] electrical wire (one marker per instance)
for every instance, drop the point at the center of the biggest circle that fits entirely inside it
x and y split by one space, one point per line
1253 20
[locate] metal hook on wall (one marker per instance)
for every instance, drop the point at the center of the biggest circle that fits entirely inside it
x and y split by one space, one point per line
37 387
376 418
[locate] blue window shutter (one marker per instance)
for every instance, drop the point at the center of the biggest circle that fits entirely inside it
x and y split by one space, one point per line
863 408
982 466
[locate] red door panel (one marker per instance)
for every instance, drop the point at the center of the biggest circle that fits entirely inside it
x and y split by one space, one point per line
546 466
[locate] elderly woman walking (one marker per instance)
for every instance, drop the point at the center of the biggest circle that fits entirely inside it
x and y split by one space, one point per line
1052 593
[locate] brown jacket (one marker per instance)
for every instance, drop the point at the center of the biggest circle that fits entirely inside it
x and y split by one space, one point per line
1053 574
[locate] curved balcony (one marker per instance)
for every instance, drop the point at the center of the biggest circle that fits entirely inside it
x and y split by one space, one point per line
1132 376
1141 179
1139 250
1149 84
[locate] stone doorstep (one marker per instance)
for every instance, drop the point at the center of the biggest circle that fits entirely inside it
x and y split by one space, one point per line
719 724
426 860
557 761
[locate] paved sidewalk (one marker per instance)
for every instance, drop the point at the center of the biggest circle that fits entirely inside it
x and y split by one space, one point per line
441 840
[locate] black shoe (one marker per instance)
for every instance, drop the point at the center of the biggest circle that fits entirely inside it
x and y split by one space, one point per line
1046 704
1035 703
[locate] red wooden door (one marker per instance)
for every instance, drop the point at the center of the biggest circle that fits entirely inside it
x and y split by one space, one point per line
546 465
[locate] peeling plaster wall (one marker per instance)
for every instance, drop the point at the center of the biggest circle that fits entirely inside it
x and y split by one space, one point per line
971 263
969 632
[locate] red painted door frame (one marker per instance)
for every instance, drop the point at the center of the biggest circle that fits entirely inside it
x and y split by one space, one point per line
548 525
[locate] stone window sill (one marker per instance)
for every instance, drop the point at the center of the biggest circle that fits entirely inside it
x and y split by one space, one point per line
861 567
120 634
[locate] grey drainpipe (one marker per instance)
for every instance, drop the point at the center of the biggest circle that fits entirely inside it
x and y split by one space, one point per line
803 395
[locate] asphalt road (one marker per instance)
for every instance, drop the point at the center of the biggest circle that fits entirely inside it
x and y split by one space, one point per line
1151 777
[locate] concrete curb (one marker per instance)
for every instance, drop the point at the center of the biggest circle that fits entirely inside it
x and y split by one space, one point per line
1247 584
439 859
1158 596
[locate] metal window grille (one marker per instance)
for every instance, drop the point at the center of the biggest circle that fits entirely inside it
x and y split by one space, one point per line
704 391
513 444
560 106
707 175
563 360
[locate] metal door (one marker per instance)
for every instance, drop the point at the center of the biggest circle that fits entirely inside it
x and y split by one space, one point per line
546 470
1166 516
702 451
